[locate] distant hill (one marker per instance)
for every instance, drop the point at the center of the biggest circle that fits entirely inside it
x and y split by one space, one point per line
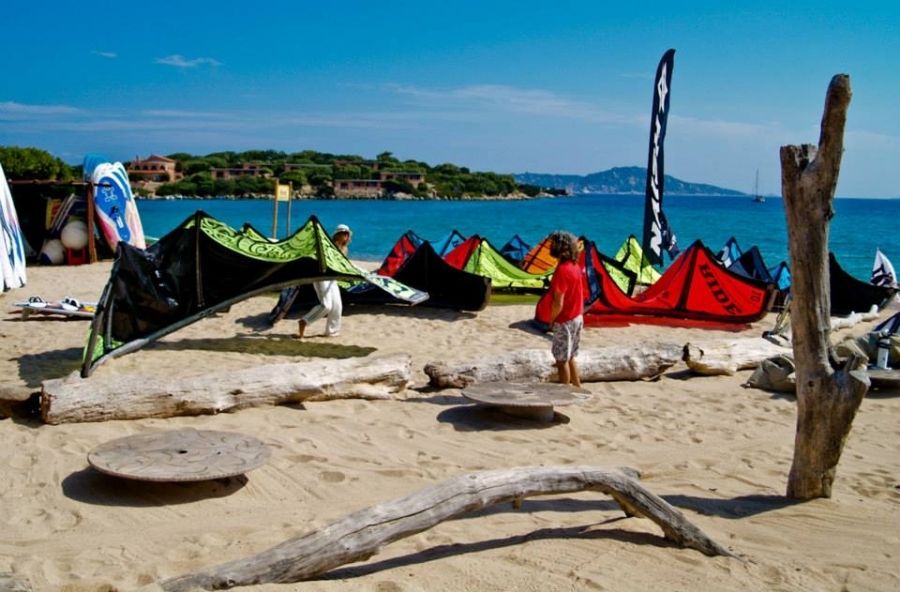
619 180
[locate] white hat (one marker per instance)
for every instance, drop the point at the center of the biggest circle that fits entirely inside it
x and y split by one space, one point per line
341 228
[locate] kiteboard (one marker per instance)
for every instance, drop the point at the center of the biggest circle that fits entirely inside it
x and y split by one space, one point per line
12 247
117 213
69 307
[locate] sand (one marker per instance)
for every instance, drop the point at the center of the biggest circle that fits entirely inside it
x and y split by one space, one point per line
715 450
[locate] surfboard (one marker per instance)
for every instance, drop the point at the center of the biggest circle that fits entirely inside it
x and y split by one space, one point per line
12 248
117 212
69 307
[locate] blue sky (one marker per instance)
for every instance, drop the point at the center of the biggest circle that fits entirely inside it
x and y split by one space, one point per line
556 87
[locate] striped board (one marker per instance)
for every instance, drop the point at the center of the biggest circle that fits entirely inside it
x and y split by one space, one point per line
67 307
12 246
117 213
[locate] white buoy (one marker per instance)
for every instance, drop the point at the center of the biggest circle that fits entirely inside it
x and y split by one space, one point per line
74 235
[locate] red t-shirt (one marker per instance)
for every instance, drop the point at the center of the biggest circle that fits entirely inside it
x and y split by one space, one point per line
568 279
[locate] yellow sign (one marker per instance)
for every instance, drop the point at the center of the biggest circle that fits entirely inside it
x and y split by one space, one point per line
283 192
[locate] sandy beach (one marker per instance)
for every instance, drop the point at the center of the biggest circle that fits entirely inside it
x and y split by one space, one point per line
717 451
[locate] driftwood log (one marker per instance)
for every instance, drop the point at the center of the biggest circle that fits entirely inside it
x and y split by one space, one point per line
626 362
361 534
727 357
827 398
75 399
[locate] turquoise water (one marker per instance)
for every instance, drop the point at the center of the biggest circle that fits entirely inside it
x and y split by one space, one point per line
860 225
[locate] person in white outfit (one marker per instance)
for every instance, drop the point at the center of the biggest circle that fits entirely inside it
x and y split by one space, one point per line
330 305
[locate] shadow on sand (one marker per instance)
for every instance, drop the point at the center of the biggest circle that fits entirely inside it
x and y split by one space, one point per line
585 532
93 487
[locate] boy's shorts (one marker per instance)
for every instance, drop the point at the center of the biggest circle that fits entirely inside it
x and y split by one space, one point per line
566 338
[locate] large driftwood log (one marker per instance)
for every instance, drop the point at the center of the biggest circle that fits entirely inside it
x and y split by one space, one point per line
361 534
626 362
827 399
727 357
75 399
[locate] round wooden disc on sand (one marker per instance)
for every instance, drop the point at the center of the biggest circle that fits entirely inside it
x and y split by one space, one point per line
884 377
179 455
532 400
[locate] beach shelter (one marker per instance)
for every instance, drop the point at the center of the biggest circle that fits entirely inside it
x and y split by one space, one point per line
204 266
515 249
631 256
477 255
12 247
849 294
696 286
448 243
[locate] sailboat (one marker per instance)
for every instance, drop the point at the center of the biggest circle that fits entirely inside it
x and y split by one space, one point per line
757 196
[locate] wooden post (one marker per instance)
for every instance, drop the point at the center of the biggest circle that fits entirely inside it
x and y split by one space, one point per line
92 245
275 213
287 224
827 398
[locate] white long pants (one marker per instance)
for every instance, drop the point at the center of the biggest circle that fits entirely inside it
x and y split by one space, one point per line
330 306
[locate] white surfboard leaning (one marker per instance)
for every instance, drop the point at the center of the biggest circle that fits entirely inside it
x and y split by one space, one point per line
12 247
116 209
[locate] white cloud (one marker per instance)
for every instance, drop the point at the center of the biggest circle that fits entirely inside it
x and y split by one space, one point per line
13 110
179 114
106 54
180 61
503 98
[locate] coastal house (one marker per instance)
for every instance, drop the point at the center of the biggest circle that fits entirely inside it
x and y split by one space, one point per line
153 169
357 188
374 187
247 169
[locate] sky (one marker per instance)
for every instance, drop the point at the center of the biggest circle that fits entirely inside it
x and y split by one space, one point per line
509 86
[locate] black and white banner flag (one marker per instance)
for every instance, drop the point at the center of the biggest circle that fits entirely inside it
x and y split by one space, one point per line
658 236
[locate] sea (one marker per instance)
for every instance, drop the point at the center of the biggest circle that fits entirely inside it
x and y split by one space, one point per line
859 226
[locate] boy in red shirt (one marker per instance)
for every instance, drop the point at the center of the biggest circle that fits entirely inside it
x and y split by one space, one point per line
567 308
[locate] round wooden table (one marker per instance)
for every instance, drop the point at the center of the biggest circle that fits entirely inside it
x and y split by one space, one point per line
529 400
179 455
884 377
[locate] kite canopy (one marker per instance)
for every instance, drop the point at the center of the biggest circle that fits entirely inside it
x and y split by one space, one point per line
632 258
204 266
696 286
849 294
477 255
515 249
447 286
402 250
448 243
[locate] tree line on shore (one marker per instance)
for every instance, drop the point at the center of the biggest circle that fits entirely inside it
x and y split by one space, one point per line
310 172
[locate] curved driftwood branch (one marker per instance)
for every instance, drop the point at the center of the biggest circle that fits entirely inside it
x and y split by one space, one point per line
100 398
360 535
625 362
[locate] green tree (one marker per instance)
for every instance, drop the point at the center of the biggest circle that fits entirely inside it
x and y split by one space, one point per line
33 163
